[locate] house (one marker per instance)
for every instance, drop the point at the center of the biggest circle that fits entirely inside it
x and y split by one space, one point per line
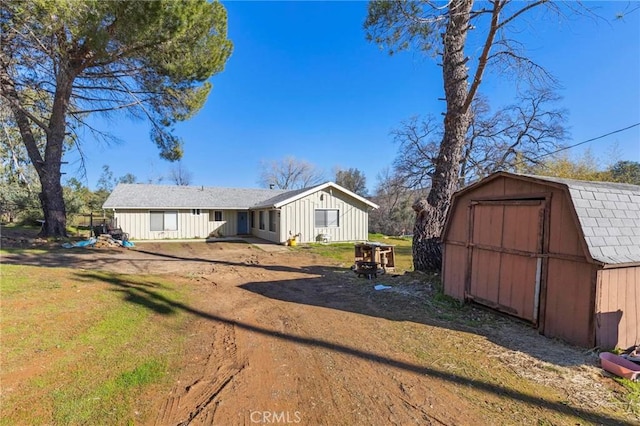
561 254
325 212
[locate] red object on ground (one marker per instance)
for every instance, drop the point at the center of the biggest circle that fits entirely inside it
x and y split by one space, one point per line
619 366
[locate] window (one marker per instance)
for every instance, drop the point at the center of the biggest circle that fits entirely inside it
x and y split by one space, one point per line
261 218
253 220
215 216
164 221
195 212
272 220
327 218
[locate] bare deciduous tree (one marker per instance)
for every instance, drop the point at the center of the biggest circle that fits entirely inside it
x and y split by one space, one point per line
417 141
179 175
289 173
512 138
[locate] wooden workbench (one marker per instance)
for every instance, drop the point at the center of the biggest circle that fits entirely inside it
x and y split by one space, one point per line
380 253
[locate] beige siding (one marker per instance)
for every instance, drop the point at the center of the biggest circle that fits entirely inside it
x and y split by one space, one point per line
618 307
298 217
265 234
137 223
295 218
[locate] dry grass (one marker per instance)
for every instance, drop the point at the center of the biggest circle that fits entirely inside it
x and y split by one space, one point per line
527 357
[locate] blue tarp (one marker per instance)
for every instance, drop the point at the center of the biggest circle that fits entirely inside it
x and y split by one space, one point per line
91 241
85 243
381 287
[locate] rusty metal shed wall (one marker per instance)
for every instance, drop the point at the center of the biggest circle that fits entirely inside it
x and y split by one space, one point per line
618 307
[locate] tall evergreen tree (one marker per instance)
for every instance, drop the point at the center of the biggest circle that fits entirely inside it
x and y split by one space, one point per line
151 59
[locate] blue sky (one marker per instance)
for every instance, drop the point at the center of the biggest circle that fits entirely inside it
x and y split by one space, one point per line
302 81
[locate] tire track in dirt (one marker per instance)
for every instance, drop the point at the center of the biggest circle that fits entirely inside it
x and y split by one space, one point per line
196 403
316 384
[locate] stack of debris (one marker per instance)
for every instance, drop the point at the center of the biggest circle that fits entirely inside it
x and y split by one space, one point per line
106 240
103 240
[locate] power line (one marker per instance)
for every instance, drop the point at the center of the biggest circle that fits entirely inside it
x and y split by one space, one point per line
587 141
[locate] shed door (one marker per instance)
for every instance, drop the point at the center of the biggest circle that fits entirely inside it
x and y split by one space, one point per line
505 258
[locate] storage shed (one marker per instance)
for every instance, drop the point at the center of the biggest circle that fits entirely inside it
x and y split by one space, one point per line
562 254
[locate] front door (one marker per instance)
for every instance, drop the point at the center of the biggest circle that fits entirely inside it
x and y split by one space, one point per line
506 256
242 223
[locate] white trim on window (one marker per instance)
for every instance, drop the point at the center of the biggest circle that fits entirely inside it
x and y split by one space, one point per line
327 218
215 215
163 220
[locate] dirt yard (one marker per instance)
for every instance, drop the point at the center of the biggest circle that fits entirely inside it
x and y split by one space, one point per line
287 337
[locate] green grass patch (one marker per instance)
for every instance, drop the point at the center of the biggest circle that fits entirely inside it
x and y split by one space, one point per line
633 395
22 227
111 398
341 252
23 251
345 252
79 347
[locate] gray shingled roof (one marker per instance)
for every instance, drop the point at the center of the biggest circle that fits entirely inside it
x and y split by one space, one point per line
187 197
272 201
609 214
143 196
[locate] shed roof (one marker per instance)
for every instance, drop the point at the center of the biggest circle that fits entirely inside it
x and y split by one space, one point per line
608 214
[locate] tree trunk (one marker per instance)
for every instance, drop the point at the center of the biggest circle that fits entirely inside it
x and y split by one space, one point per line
51 197
427 254
52 201
48 169
47 166
431 214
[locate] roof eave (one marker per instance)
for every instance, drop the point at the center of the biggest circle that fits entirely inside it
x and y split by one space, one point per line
320 188
619 265
175 208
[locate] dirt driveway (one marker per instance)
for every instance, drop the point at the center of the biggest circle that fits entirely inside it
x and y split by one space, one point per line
288 338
